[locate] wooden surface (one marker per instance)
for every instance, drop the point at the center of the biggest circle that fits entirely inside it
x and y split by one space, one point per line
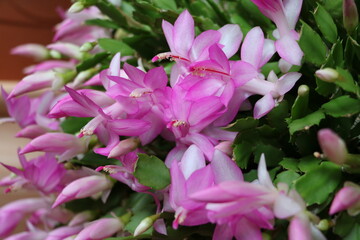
25 21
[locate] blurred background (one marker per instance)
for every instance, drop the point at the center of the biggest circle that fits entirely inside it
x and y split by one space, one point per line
21 21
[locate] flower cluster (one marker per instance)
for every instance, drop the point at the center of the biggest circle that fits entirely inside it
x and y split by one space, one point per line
124 111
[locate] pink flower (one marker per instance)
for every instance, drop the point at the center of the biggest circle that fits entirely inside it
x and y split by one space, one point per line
100 229
285 15
72 28
187 122
273 91
12 213
44 173
240 208
20 109
186 49
124 173
82 188
187 177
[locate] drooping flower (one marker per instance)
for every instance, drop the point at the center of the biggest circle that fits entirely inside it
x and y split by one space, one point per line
64 145
44 173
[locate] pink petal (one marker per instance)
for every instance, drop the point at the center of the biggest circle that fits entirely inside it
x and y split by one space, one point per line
201 179
268 51
128 127
217 55
292 11
156 78
225 169
199 50
177 188
168 31
223 232
263 106
263 174
134 74
285 207
183 33
286 82
204 111
289 49
246 230
299 228
114 68
203 143
192 160
252 48
242 72
231 37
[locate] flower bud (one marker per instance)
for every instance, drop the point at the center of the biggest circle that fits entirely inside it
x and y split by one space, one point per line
88 46
36 51
82 188
125 146
76 7
100 229
55 54
332 146
350 15
303 90
145 224
347 198
327 74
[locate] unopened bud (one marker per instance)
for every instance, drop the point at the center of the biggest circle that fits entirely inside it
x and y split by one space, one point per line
76 7
324 225
62 78
125 146
88 46
332 146
145 224
83 76
55 54
350 15
327 74
303 90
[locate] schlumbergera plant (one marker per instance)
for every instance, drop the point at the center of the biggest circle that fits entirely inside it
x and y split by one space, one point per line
165 119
